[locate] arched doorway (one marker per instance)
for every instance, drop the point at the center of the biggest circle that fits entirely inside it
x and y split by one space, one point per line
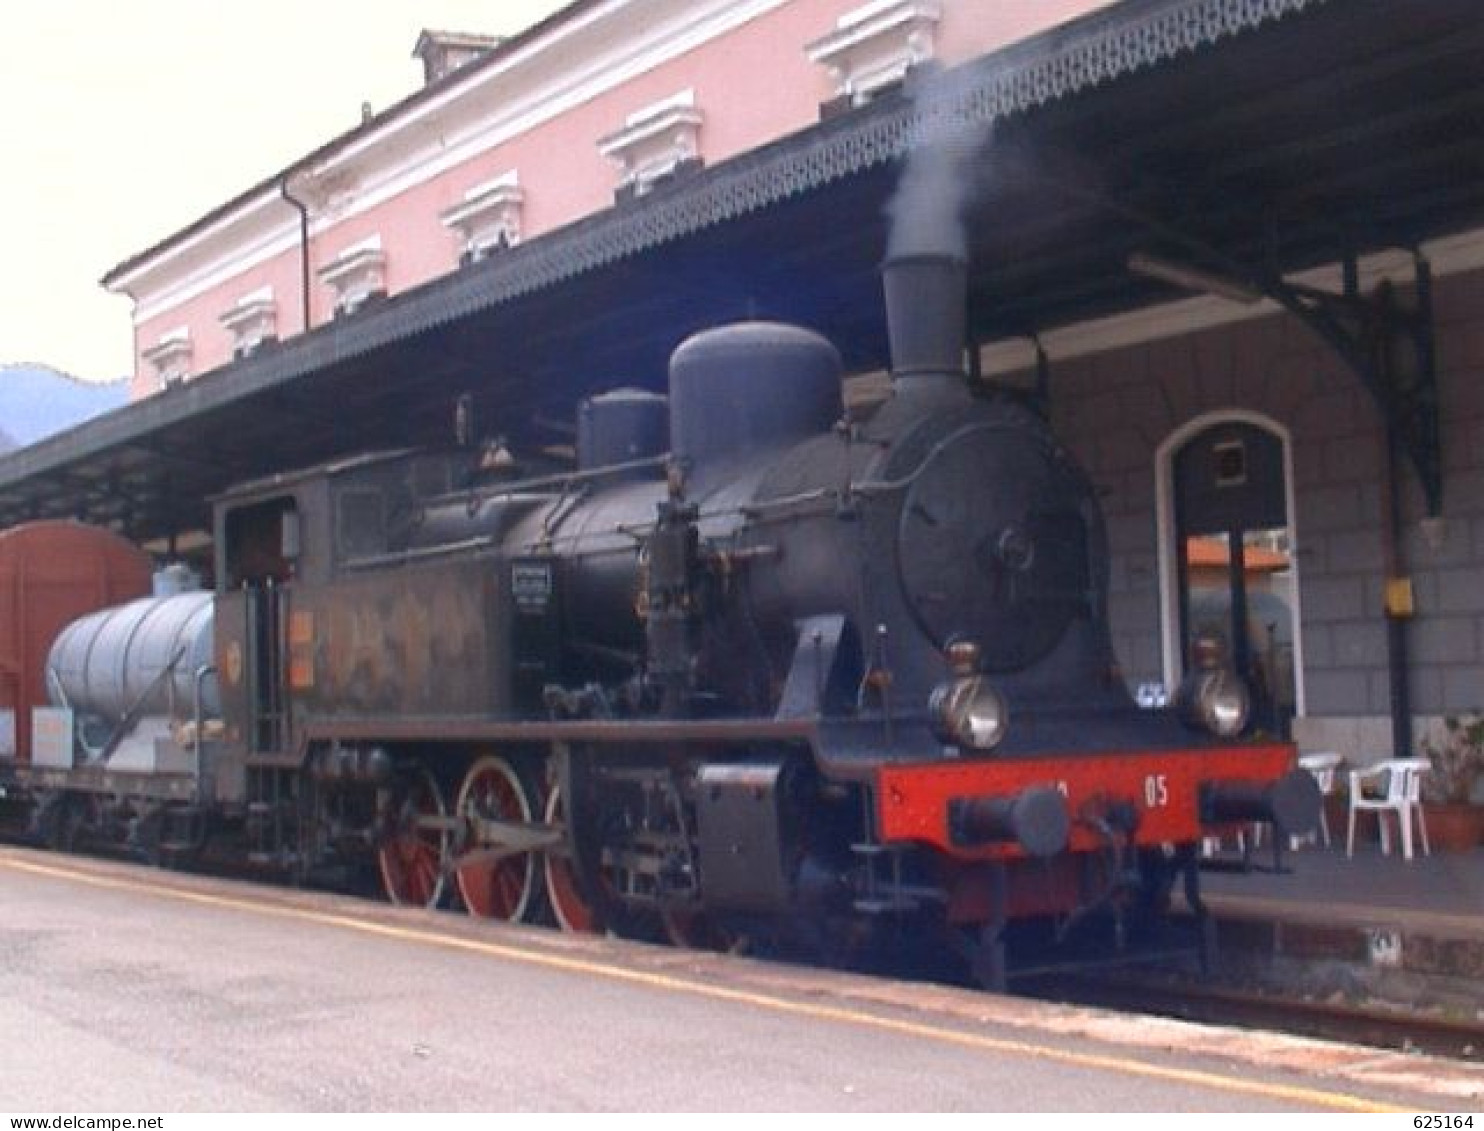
1227 556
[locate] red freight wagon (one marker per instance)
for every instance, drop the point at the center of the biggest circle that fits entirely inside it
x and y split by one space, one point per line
51 573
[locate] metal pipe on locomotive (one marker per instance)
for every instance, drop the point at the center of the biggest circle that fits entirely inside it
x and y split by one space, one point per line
797 675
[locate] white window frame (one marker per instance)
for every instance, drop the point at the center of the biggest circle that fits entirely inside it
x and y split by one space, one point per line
170 356
655 141
875 45
1169 563
355 275
251 320
488 217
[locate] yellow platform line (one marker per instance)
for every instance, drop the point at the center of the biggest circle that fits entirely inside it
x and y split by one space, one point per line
1339 1101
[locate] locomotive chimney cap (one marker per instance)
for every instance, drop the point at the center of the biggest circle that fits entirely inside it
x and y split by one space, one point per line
926 297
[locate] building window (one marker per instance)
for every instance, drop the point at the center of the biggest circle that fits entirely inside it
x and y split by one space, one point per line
1227 561
170 356
357 276
874 46
487 219
252 321
656 142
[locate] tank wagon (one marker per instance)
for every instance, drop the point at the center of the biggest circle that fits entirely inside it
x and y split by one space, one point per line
749 667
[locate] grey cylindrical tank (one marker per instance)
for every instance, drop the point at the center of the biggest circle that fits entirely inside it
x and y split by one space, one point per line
104 663
750 387
621 426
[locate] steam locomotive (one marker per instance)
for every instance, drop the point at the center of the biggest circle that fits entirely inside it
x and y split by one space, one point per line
750 667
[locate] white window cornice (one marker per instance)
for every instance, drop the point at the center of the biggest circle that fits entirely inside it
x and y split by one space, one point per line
488 216
356 274
251 320
170 355
655 140
875 45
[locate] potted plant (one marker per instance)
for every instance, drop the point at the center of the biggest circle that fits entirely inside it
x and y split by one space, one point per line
1454 820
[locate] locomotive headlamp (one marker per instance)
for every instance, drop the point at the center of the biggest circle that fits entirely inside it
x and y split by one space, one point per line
968 711
1216 700
1213 696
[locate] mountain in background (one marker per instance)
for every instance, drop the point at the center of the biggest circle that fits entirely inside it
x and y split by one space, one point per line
37 401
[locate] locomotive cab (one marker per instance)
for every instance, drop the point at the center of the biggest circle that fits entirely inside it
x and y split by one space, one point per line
310 622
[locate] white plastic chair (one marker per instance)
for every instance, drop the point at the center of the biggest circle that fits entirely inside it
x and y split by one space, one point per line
1322 766
1401 793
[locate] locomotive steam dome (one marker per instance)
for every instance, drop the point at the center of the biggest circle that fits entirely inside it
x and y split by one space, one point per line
750 387
621 426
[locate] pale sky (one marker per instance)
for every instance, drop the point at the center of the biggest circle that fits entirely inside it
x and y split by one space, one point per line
123 122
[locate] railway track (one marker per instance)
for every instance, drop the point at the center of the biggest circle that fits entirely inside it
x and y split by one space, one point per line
1385 1028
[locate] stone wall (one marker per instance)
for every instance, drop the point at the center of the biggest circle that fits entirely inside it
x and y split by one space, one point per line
1115 409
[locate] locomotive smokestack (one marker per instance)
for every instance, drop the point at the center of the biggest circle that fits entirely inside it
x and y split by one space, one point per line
927 249
926 316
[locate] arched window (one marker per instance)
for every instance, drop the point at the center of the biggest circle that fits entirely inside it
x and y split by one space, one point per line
1228 565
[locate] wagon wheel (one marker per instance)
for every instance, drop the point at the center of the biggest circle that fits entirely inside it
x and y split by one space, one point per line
571 911
146 837
413 852
81 825
495 881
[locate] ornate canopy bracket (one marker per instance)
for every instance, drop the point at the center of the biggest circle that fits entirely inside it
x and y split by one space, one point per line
1386 338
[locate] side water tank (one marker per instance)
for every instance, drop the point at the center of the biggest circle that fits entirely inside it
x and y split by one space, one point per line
51 573
142 656
620 427
750 387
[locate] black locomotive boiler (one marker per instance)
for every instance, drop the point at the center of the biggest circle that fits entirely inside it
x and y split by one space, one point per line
748 667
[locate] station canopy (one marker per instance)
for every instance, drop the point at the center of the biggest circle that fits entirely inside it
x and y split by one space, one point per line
1252 138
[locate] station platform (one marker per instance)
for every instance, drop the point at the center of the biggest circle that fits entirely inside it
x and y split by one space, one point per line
1410 931
105 975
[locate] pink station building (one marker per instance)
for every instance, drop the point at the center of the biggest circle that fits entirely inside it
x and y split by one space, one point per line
511 138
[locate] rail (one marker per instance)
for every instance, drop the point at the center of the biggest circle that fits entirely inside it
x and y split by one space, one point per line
1191 1000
